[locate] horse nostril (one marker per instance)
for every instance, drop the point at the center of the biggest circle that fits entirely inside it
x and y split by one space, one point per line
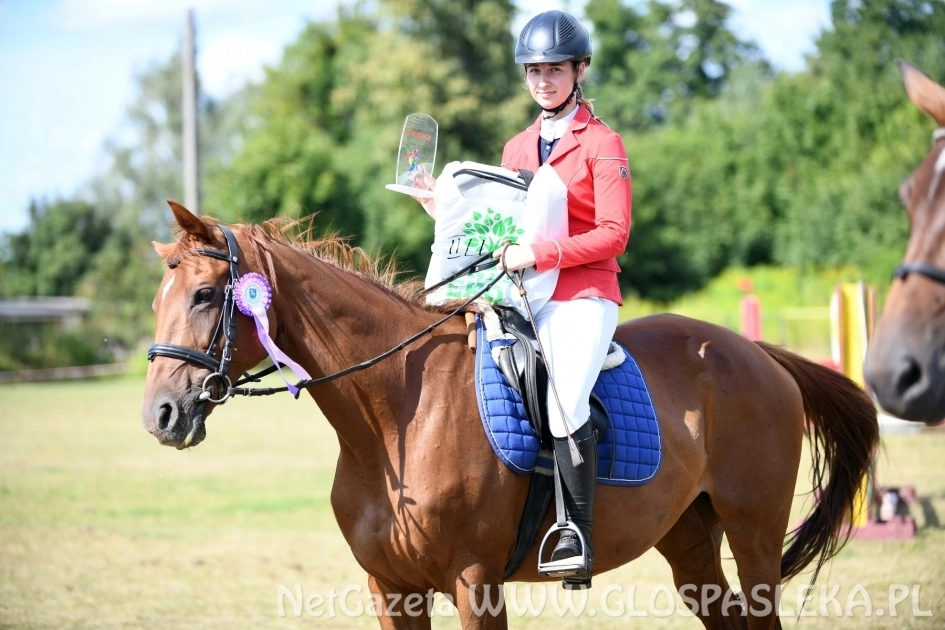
165 416
909 375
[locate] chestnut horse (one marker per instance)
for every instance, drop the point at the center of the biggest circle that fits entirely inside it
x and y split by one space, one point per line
905 364
418 493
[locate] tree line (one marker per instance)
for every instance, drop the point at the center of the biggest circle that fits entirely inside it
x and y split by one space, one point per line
732 162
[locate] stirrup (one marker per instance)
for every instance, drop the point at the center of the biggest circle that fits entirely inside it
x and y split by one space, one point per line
575 570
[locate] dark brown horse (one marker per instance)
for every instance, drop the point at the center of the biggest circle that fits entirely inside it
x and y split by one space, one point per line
905 365
418 493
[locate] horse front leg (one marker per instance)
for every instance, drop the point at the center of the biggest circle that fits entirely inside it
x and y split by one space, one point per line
398 609
480 599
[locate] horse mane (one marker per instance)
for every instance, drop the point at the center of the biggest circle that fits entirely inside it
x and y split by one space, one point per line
332 249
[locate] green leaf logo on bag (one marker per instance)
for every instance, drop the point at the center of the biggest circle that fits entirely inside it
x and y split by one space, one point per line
474 283
487 233
484 234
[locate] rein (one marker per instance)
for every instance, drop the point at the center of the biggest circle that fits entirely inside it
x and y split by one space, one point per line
227 324
924 269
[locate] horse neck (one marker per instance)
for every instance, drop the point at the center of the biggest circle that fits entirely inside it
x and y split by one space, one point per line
328 319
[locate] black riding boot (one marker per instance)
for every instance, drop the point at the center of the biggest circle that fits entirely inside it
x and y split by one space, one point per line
580 484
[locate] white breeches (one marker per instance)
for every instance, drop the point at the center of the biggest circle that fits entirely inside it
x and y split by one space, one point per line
575 336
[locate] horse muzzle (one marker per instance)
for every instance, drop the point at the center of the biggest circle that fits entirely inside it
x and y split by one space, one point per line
906 384
180 424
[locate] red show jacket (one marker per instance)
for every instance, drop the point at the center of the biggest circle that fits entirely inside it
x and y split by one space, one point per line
591 161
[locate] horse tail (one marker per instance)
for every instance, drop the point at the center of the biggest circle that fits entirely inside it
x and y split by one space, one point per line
844 434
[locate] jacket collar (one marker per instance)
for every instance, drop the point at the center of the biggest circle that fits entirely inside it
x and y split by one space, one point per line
567 142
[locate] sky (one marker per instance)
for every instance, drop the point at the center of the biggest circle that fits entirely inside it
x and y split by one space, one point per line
68 69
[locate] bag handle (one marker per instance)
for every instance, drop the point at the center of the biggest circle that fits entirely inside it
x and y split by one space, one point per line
520 184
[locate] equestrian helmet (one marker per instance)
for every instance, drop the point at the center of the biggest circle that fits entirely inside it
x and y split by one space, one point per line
551 37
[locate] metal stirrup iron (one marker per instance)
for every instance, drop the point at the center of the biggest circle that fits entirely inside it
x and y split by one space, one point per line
574 568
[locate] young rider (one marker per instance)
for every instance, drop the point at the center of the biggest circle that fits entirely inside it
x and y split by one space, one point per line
567 146
571 153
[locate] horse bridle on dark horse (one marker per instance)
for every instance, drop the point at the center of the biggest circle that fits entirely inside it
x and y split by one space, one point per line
227 325
929 271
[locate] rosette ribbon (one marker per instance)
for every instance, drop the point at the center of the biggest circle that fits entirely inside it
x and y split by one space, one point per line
253 298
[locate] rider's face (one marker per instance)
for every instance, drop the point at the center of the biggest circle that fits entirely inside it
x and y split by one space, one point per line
551 83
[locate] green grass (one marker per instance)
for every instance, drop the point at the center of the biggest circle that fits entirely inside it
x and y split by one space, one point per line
102 528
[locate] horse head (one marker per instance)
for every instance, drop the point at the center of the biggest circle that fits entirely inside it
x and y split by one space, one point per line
905 364
201 342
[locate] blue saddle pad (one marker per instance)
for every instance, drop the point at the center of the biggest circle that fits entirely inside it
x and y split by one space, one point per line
634 434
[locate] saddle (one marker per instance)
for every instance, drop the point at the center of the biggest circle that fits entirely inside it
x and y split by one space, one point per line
525 371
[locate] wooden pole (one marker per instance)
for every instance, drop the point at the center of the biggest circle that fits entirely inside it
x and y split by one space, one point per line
191 155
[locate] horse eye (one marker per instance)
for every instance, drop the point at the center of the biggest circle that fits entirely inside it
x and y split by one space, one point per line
203 296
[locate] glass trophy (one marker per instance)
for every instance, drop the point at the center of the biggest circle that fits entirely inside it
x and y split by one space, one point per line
416 156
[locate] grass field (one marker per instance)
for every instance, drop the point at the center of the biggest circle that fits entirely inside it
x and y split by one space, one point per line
102 528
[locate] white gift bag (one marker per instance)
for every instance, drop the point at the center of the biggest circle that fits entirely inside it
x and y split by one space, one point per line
478 208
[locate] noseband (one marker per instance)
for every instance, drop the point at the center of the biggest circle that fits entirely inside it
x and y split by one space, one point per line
226 325
929 271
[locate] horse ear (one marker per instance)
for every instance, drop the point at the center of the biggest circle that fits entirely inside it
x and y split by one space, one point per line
162 249
927 95
189 222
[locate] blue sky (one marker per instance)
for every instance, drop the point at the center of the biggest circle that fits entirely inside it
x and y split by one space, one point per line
68 67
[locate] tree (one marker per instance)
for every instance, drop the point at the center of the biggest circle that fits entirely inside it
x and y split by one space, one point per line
850 135
323 129
98 244
796 169
55 251
654 65
290 136
701 194
144 173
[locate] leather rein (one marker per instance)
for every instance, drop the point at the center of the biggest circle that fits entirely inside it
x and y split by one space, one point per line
924 269
227 326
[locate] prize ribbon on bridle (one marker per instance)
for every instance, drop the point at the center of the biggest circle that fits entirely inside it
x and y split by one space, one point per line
253 297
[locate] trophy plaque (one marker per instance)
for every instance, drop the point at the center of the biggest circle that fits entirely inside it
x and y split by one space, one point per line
416 156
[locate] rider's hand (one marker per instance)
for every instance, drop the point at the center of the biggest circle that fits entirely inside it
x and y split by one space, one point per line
516 257
426 182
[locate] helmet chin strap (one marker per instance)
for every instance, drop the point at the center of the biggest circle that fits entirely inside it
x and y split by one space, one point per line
551 113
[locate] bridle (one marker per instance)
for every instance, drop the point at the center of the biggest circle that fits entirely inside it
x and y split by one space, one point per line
929 271
924 269
227 324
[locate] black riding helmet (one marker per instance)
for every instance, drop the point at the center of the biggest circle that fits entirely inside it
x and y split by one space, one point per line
551 37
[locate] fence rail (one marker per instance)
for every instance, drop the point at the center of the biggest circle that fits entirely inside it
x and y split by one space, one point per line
55 374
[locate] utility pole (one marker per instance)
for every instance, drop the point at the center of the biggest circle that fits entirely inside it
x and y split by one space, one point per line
191 155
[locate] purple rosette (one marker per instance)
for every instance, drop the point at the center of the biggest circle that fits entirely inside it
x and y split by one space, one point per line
253 298
253 294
